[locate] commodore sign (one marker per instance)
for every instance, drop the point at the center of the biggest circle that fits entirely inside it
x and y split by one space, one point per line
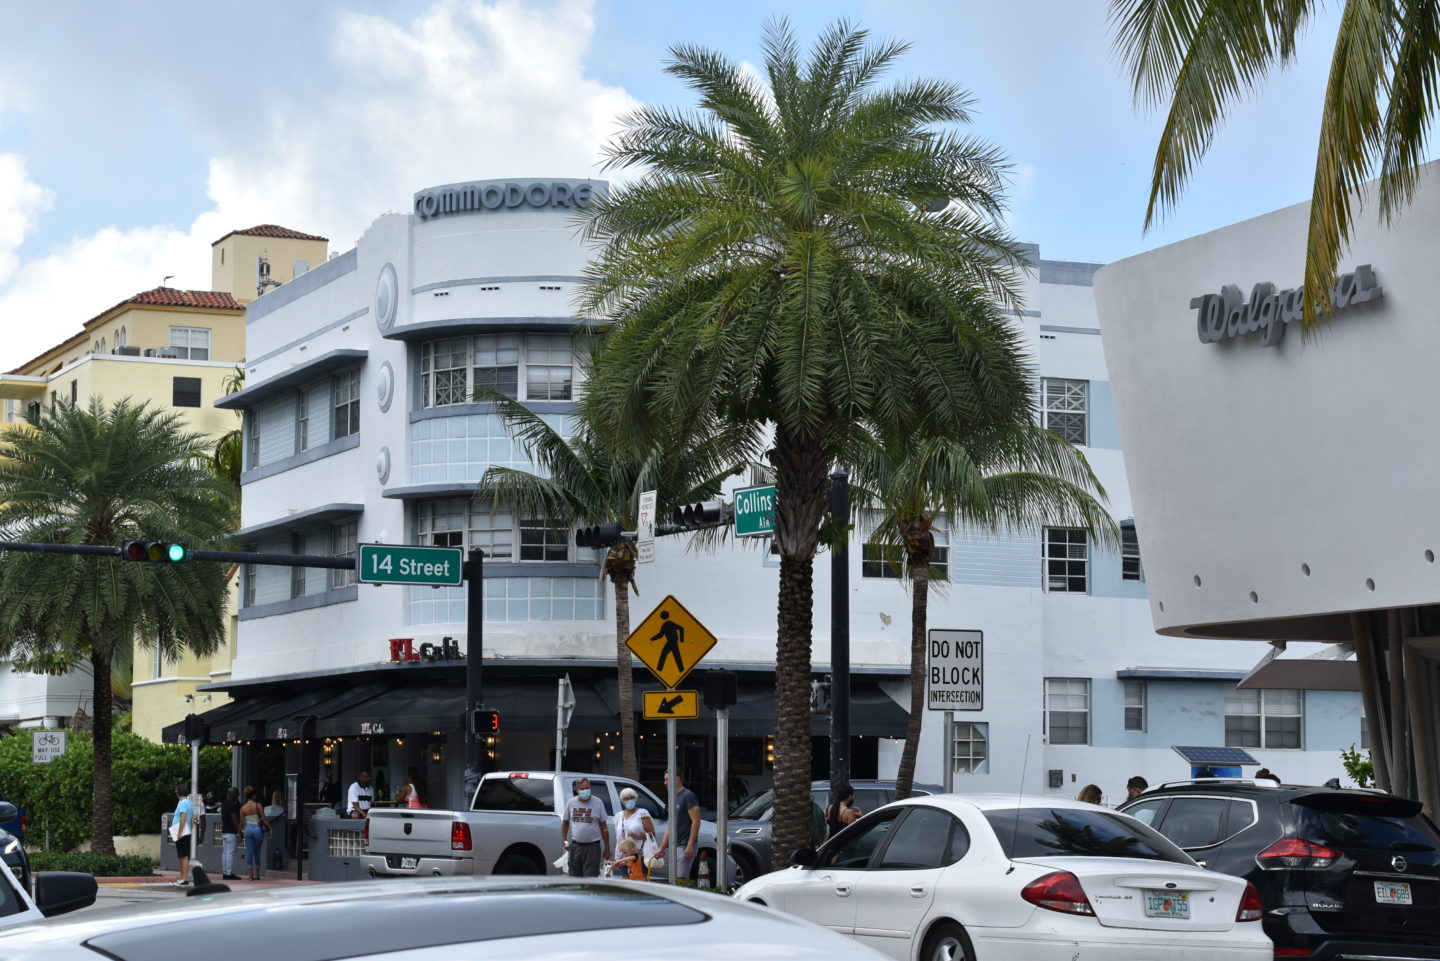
479 196
953 671
1226 315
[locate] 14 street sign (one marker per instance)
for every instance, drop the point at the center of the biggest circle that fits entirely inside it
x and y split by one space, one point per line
408 564
670 642
953 671
755 511
662 705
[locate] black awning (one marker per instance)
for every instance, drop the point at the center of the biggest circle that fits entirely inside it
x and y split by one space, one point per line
872 712
522 702
227 723
283 720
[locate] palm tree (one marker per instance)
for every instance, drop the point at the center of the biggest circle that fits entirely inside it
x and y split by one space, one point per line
586 481
1021 481
1198 57
784 263
98 475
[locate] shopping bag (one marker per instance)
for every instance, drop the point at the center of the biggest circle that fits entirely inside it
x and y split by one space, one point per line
563 862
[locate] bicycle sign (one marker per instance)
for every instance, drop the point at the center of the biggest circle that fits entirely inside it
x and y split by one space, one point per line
46 746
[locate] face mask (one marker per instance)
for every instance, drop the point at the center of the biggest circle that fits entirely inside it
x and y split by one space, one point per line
585 794
629 805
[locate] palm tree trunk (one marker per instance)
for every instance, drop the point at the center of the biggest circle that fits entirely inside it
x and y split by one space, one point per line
919 564
102 819
620 567
801 466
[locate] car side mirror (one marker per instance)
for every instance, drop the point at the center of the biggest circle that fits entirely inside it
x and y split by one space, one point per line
803 858
8 811
59 892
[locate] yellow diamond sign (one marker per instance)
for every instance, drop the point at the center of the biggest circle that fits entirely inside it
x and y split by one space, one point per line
670 642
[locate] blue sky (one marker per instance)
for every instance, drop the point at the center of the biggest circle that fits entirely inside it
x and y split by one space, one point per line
134 134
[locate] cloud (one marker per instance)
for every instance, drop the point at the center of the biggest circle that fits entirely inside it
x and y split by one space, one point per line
466 90
21 203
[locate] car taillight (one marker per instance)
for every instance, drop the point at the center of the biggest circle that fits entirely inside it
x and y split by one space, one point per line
1292 952
1295 853
1059 891
1251 908
459 836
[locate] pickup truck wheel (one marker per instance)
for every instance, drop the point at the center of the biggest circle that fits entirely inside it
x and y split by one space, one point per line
517 864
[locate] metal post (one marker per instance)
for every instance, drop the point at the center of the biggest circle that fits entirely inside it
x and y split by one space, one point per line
1365 657
722 797
1395 678
947 735
560 726
474 573
840 631
674 828
197 802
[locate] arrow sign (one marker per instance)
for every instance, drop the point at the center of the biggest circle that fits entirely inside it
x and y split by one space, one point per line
667 705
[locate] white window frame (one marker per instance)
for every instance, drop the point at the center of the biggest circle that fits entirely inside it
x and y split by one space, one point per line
344 542
874 563
186 342
1131 568
297 574
1269 708
463 523
1065 408
532 356
1067 695
1065 558
345 403
252 439
302 422
248 578
970 747
1136 708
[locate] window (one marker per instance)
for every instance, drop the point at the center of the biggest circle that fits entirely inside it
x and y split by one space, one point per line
1067 560
75 393
185 392
875 559
1047 833
1195 822
190 343
347 403
970 749
302 422
466 524
297 574
522 366
1134 705
247 586
1130 553
541 542
854 846
253 452
1364 722
914 845
343 538
1264 719
1067 710
11 406
1064 406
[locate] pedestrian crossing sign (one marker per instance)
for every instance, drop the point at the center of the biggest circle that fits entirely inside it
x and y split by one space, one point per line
670 642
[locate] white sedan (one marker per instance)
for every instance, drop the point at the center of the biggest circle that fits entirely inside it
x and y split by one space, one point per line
1001 877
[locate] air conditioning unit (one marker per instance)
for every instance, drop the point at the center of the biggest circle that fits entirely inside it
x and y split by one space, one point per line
171 352
128 351
148 352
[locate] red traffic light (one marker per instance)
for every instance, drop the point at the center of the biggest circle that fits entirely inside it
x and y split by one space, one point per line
134 551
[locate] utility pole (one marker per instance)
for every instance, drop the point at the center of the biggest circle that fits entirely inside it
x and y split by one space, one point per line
474 573
840 630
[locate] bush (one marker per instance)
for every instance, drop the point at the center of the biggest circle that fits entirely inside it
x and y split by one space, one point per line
1360 767
100 865
57 796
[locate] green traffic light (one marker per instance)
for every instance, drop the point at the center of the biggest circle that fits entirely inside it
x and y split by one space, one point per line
177 552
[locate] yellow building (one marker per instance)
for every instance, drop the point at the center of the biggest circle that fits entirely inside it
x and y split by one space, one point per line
175 349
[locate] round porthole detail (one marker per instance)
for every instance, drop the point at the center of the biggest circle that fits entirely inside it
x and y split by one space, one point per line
385 386
382 465
387 297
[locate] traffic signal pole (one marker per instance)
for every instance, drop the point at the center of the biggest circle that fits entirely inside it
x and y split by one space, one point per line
840 631
474 574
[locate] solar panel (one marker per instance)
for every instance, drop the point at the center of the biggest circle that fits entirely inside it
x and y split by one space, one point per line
1215 756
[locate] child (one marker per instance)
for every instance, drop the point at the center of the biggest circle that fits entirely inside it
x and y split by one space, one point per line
629 864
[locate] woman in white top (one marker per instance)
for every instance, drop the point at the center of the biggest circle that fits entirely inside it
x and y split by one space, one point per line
632 821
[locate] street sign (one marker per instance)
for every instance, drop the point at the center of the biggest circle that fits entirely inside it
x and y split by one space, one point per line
953 670
409 564
664 705
645 529
755 511
46 746
670 642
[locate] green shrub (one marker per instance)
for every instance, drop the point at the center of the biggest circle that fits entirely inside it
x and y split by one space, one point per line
57 796
100 865
1360 767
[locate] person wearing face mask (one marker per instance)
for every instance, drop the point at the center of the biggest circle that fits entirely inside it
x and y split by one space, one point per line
634 822
583 829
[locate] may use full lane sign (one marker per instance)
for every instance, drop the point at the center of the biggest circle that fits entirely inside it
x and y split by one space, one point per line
953 675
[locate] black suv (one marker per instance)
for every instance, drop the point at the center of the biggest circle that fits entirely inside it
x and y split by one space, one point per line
1342 873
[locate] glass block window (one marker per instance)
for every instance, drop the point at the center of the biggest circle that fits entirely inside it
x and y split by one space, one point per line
343 538
522 366
970 748
190 343
1066 561
462 447
514 599
346 393
1134 705
1129 553
1265 719
1067 710
1065 407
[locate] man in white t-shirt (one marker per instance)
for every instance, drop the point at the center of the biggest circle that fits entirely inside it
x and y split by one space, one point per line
583 829
357 802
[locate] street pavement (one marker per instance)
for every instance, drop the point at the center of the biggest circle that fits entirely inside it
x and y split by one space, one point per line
117 892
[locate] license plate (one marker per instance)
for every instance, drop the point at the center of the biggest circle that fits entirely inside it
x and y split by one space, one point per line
409 864
1393 892
1167 904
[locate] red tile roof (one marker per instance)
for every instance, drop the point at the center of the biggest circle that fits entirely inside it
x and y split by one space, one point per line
272 230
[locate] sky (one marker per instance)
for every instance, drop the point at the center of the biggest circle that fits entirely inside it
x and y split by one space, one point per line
134 134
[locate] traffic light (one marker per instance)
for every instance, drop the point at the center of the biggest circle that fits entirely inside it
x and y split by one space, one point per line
706 514
154 551
195 728
487 722
599 535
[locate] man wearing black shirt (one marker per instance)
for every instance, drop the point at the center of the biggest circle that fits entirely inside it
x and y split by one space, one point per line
229 832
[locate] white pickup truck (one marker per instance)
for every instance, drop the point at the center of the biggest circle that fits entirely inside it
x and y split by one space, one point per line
512 827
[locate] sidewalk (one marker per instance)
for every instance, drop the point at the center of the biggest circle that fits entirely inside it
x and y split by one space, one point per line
164 880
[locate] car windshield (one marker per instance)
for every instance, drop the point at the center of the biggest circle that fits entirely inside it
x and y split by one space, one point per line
1071 832
1376 824
754 807
515 794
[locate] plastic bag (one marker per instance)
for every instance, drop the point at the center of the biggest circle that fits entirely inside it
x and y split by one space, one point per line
657 863
563 862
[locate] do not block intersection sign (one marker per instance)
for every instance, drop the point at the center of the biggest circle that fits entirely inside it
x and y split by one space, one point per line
953 671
